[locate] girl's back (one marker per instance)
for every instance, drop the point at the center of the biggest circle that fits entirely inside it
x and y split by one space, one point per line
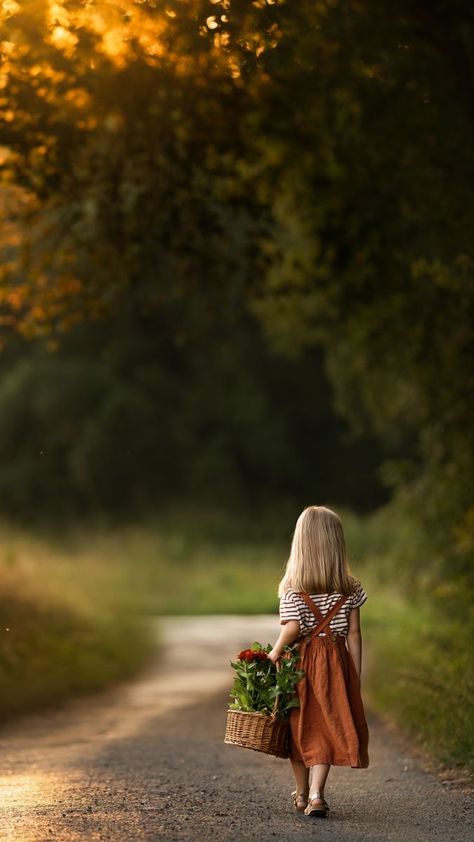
293 607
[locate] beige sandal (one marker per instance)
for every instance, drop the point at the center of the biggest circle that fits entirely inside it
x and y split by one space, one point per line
317 806
300 801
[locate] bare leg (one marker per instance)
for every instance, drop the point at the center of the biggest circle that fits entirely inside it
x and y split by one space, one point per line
301 774
319 775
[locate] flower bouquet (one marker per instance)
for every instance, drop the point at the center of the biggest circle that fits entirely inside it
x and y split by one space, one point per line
261 700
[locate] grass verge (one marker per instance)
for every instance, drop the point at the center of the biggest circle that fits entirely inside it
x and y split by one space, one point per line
58 638
49 653
420 674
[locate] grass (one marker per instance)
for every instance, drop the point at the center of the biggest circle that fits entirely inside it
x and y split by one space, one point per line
421 674
73 600
186 563
49 653
58 636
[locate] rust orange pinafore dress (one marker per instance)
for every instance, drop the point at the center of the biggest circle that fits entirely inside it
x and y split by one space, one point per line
330 725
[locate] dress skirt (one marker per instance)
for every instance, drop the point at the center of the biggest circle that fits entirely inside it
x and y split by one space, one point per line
330 725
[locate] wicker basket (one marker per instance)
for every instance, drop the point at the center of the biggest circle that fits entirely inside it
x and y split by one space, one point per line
258 732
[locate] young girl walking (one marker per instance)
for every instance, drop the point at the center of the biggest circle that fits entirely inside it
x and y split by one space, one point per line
319 607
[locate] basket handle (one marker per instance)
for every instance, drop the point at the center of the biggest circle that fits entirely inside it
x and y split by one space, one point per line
275 703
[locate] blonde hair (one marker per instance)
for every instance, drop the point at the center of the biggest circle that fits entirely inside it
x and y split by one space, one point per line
318 560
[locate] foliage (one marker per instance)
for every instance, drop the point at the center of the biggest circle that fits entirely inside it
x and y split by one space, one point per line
378 262
258 682
49 653
52 646
131 198
194 167
137 228
420 670
80 433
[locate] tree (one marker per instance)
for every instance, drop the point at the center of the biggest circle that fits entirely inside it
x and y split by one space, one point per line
126 159
371 108
307 163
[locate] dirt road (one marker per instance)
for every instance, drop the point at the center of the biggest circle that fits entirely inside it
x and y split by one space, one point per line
147 761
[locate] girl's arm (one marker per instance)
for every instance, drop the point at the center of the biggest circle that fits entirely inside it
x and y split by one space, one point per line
354 639
289 633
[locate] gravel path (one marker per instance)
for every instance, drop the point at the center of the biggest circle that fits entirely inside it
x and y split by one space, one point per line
147 761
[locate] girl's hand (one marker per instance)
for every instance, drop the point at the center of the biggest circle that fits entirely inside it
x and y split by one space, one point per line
274 656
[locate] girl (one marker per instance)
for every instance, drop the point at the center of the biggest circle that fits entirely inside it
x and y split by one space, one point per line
319 604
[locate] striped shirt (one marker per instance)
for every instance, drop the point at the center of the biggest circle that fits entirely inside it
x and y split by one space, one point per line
292 607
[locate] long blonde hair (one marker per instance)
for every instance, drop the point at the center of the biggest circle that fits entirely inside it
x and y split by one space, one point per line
318 560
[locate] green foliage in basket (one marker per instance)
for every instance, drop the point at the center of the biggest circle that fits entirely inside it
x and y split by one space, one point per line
258 682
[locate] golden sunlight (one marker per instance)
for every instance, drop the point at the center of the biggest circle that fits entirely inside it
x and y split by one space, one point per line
23 791
9 7
64 38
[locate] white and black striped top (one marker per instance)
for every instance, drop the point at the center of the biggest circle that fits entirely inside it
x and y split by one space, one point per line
292 607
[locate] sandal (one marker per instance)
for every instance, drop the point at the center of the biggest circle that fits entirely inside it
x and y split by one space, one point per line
300 802
317 806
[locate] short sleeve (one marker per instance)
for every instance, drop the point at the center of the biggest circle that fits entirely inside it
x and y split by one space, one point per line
290 608
358 596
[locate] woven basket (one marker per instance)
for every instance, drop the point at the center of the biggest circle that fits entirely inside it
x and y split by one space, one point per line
258 732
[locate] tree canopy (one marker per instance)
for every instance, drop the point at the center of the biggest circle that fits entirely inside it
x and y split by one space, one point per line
198 173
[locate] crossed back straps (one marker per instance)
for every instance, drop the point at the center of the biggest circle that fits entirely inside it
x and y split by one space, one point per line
324 619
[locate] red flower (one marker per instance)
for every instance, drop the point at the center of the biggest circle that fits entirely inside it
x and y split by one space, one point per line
252 655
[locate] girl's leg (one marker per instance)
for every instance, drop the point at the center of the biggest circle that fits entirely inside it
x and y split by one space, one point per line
319 775
301 774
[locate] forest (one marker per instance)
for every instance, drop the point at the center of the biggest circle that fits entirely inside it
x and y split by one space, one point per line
237 267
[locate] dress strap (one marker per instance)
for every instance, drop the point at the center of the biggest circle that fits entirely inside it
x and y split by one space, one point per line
312 606
324 620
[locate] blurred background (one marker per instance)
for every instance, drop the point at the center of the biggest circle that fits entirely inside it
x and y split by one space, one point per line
236 279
